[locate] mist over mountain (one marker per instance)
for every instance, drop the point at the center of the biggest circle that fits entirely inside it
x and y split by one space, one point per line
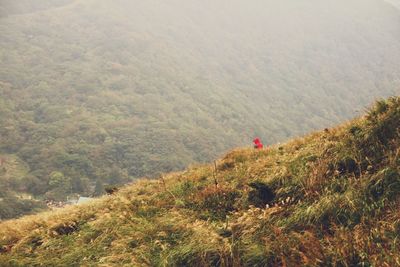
395 3
100 92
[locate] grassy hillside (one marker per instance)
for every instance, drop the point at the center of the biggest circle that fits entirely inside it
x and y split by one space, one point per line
101 91
328 199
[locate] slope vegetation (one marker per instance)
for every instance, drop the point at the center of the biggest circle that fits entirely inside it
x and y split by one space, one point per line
328 199
15 203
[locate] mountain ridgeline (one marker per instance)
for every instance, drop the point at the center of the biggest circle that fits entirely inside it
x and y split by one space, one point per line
96 92
328 199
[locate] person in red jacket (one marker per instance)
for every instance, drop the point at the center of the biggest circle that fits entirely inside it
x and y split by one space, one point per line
257 143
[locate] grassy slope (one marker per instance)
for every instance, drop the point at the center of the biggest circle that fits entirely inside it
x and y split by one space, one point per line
336 203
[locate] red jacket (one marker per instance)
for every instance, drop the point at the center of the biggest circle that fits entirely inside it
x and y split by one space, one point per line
257 143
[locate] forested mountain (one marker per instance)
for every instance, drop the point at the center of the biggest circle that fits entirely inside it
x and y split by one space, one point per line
96 91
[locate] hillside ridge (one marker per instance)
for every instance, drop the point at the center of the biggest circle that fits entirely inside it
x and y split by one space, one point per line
329 198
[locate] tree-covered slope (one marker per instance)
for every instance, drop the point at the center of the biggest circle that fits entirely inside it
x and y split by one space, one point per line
328 199
109 90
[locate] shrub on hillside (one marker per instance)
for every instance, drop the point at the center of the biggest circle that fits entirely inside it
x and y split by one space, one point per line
215 202
385 184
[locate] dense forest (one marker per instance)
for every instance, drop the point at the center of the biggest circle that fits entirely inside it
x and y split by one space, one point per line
102 92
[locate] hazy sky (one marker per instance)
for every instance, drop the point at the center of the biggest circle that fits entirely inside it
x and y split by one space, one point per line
395 3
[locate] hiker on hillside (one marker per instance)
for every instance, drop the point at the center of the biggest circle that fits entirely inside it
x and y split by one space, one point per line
257 143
